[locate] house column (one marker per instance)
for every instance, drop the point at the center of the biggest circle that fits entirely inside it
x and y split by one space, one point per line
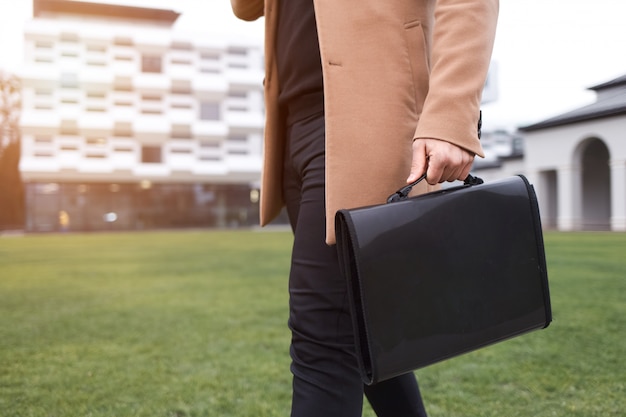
618 195
541 190
570 202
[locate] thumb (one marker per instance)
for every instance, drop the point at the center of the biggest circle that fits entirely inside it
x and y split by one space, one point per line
419 162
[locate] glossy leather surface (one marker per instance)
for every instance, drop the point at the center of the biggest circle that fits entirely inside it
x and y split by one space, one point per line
444 273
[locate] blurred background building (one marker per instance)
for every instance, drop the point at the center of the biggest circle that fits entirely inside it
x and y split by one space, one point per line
577 161
129 124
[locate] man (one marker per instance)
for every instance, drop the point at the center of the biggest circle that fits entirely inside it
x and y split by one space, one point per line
360 95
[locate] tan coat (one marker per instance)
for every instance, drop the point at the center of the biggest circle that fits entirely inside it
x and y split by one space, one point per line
394 70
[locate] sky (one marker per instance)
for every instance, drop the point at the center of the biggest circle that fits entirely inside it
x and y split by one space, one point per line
547 52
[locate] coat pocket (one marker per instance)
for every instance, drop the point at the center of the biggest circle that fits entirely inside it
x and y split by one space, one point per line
418 60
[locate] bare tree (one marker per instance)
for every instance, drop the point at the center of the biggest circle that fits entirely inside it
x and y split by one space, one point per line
11 187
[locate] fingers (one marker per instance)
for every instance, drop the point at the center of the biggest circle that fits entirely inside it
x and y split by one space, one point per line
443 161
419 162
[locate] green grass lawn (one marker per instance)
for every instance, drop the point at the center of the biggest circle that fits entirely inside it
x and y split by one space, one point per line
193 323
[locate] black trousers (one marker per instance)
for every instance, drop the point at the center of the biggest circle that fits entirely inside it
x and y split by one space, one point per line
326 382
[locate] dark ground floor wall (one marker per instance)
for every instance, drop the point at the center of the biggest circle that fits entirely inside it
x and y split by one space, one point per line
56 206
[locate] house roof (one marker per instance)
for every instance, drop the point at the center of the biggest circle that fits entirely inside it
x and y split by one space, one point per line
41 7
610 84
610 102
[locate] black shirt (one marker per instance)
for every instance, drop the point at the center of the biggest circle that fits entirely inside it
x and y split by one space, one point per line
298 56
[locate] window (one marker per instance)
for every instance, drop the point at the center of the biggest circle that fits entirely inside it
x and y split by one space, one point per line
151 154
96 48
237 152
151 97
43 45
123 129
181 132
182 45
69 80
212 144
181 151
210 56
122 87
43 139
69 54
96 141
180 61
210 158
69 127
69 131
238 94
181 87
238 138
96 95
151 63
237 51
209 111
151 111
238 65
69 37
122 41
123 84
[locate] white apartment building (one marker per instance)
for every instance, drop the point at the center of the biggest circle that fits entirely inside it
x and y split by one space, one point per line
130 124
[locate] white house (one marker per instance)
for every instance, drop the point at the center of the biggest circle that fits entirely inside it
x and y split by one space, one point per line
128 123
577 162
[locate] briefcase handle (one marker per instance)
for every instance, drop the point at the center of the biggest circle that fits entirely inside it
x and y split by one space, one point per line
403 192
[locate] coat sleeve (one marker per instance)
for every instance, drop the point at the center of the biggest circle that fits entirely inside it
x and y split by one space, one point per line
248 9
462 43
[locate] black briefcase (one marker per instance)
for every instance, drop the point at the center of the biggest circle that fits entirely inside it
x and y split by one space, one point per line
444 273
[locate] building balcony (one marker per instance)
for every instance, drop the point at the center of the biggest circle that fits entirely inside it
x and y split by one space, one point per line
35 121
244 120
245 78
157 83
151 171
209 86
96 124
152 128
209 129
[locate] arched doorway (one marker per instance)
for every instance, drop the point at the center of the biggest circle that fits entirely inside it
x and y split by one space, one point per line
549 201
595 185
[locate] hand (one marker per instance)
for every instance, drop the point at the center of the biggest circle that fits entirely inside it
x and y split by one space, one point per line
441 160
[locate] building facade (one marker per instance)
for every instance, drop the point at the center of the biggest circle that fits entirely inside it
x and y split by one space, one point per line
577 162
130 124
